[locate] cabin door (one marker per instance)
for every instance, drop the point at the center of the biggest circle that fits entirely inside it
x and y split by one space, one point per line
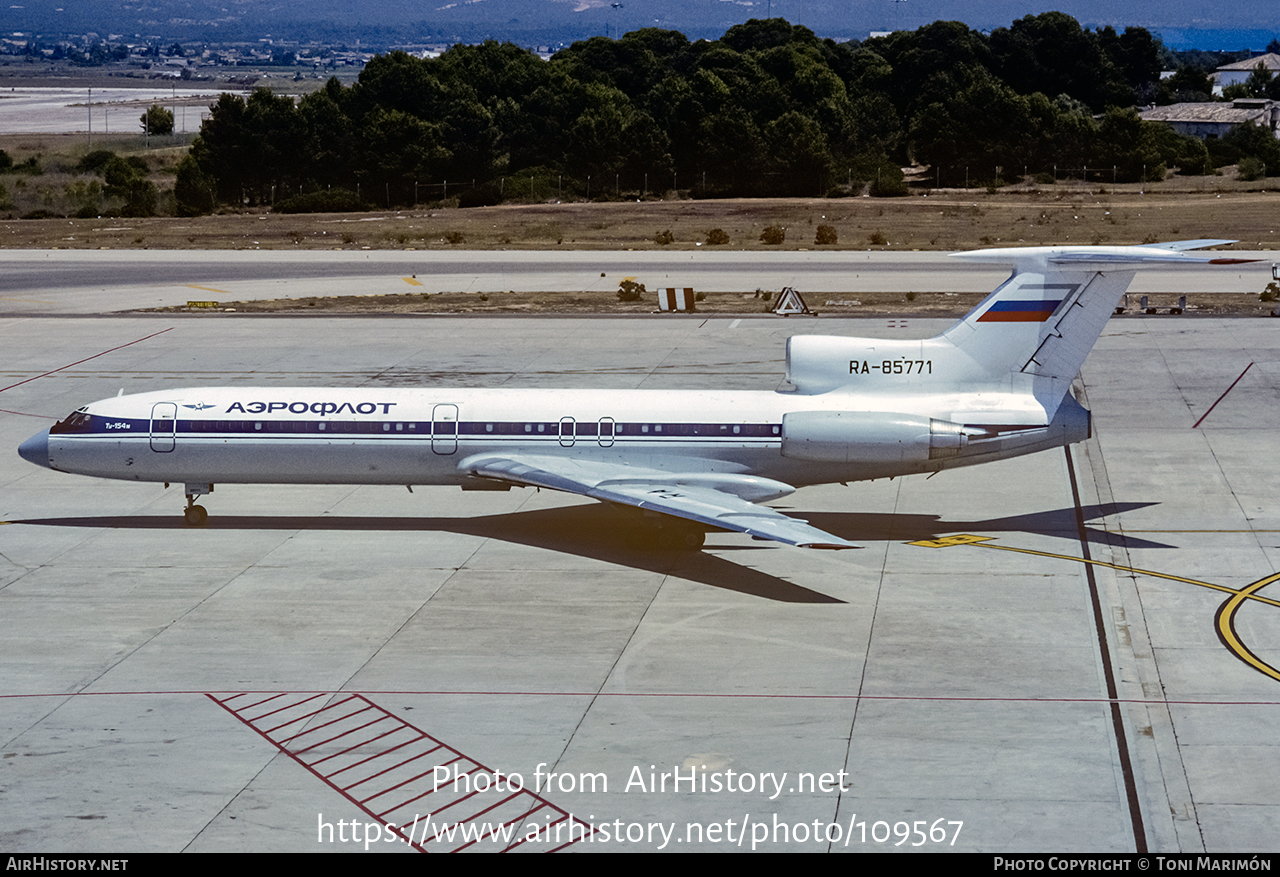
444 429
566 432
164 426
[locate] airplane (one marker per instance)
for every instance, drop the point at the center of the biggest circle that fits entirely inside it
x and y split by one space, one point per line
993 386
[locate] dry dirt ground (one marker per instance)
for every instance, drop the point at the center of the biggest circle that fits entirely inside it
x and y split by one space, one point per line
946 220
873 304
943 220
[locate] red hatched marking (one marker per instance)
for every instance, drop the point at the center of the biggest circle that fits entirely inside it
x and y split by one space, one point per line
351 743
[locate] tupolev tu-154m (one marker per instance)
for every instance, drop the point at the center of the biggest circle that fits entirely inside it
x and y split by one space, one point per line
995 385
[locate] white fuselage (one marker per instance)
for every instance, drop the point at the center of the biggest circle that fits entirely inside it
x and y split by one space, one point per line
425 436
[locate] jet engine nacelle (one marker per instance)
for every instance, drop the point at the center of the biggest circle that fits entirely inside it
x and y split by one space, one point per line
869 437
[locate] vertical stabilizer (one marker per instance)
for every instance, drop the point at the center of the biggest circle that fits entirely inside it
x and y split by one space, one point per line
1041 323
1031 335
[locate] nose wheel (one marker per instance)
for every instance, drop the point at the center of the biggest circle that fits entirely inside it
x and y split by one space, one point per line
196 515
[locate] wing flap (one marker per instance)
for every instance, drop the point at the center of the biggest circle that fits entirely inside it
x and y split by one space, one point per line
658 491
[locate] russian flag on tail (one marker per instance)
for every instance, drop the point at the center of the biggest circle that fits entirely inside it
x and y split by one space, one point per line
1035 311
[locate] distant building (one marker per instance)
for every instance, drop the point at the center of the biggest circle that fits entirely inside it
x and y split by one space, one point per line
1215 119
1238 72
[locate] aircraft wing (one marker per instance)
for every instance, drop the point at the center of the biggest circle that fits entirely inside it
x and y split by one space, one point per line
713 499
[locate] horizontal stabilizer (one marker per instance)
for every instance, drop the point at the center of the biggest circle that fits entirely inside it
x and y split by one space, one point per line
1086 257
1188 245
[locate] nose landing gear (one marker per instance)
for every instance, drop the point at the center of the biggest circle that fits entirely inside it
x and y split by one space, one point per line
196 515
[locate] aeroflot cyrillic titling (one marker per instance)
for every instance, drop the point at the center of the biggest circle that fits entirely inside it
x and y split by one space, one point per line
311 407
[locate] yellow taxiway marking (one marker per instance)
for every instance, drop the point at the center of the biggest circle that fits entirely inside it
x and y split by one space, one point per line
1224 620
1142 572
411 281
948 541
207 288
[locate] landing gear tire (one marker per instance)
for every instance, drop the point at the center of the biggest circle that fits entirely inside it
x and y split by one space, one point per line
669 539
195 515
685 540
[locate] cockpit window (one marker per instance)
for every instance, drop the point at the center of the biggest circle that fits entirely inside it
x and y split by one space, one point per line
76 421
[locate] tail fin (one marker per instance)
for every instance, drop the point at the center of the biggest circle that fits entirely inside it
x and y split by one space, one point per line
1045 319
1033 333
1041 323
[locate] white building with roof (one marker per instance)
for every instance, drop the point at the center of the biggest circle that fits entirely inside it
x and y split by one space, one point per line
1212 120
1237 72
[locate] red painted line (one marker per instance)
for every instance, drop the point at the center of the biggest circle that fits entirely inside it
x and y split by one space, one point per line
556 822
468 796
520 818
397 786
338 736
420 736
476 816
258 702
528 816
259 732
364 742
1220 398
287 706
386 770
27 414
303 718
409 801
86 359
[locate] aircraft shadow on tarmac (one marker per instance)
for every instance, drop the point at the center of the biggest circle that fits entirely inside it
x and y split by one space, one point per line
1060 523
600 533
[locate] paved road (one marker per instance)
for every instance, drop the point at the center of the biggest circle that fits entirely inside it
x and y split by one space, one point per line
98 281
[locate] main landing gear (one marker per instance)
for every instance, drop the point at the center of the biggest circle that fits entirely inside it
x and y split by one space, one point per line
668 536
196 515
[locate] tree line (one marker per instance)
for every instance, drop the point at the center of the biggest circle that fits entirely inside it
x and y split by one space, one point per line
768 109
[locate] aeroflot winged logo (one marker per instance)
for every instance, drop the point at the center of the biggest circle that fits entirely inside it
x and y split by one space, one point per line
199 406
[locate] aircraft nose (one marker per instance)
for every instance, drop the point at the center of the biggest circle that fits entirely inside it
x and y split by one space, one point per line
36 449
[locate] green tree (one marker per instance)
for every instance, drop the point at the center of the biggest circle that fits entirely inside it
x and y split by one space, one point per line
1188 84
253 147
192 190
157 120
1130 146
127 181
398 150
1259 82
985 126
